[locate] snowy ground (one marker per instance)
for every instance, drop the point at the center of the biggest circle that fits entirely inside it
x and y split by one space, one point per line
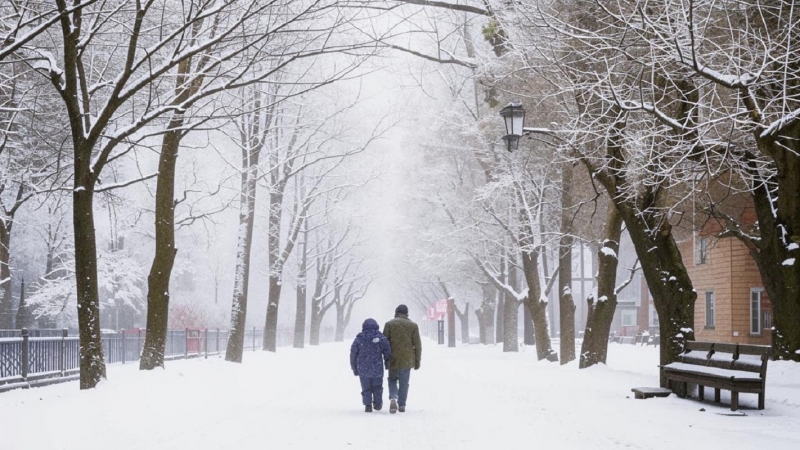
471 397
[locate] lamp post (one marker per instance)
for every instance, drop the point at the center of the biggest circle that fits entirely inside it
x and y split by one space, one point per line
514 117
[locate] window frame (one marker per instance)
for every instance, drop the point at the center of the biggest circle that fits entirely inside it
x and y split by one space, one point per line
758 313
653 314
630 313
710 299
701 251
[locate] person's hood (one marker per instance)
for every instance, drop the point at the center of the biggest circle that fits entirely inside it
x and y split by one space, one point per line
370 325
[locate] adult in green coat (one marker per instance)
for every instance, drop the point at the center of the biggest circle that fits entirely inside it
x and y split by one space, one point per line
403 336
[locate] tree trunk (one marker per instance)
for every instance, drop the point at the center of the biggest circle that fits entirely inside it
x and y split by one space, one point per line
270 342
776 253
510 333
241 282
24 313
500 316
601 310
276 269
92 364
659 256
511 316
486 316
670 285
302 280
158 280
529 338
339 336
566 304
6 302
316 322
481 326
463 318
488 325
537 305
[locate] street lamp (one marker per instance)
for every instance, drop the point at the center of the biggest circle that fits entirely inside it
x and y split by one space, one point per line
514 117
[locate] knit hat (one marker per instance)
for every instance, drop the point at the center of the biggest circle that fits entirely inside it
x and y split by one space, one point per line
402 309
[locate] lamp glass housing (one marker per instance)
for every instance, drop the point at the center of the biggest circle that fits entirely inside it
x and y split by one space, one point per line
514 117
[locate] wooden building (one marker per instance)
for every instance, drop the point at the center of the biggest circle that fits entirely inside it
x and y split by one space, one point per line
732 305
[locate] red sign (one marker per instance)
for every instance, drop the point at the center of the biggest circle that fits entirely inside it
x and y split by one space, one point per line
441 308
431 313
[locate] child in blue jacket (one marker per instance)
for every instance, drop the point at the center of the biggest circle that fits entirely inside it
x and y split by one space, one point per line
369 354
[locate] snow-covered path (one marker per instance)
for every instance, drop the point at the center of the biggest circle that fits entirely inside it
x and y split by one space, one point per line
471 397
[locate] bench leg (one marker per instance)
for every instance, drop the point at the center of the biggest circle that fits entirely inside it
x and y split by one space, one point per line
761 400
685 389
716 395
701 392
734 400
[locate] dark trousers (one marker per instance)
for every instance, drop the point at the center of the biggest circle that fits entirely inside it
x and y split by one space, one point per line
371 390
399 376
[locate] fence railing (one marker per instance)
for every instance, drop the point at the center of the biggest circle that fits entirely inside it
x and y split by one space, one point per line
33 332
33 358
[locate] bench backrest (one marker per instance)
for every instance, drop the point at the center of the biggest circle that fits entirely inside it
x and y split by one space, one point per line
744 357
695 352
723 355
753 358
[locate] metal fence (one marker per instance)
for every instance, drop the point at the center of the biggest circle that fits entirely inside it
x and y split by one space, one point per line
38 357
33 332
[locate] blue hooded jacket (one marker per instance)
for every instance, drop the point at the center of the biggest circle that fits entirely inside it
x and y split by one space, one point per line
370 351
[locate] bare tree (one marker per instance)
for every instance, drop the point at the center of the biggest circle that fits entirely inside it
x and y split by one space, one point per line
348 289
110 105
319 149
721 93
32 161
327 254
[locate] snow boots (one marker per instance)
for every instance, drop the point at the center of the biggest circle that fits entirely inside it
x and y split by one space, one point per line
393 406
367 408
377 406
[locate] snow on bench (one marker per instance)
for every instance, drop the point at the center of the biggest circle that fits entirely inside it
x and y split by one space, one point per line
734 367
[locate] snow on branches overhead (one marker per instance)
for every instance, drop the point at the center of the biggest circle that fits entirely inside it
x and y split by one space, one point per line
120 279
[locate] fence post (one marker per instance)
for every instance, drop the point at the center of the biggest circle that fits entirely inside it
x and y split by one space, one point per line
124 347
25 357
205 343
62 350
216 346
186 344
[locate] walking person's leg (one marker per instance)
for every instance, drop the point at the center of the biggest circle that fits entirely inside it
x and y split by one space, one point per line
393 390
366 393
403 376
377 393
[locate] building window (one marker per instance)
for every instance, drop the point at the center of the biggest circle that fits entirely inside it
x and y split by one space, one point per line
628 317
755 310
701 252
710 309
653 315
767 320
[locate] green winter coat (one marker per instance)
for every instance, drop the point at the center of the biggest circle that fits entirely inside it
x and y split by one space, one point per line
403 335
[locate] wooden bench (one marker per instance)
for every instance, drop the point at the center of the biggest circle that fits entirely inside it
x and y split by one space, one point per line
734 367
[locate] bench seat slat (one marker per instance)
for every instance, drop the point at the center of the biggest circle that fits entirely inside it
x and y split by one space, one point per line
713 371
